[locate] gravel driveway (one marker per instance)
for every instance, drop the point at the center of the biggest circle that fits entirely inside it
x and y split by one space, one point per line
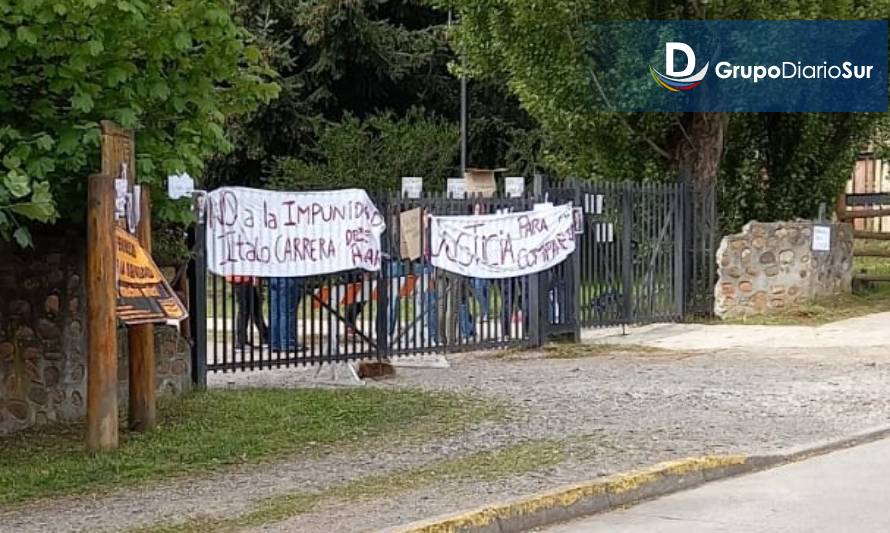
613 412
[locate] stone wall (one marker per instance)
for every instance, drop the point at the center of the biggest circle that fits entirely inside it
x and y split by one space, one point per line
772 267
42 336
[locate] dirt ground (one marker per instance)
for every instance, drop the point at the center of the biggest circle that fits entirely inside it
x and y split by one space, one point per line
608 409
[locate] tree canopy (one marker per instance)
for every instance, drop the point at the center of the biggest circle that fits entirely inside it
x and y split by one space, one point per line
539 49
172 69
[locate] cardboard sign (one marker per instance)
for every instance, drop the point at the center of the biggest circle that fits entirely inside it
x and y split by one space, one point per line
457 188
144 296
412 188
409 241
481 182
821 238
514 187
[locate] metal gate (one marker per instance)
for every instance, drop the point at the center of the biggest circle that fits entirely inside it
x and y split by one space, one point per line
646 255
407 308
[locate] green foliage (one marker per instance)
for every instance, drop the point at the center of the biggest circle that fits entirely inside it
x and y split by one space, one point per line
343 62
171 69
374 154
778 166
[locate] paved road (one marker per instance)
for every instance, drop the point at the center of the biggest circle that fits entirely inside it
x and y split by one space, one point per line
847 491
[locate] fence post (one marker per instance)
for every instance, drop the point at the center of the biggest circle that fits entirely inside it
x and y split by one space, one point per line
102 415
576 289
198 301
680 201
627 202
384 282
141 344
537 323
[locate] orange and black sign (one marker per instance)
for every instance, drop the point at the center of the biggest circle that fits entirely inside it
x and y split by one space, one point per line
144 296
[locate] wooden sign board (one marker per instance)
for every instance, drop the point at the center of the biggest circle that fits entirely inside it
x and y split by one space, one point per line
144 296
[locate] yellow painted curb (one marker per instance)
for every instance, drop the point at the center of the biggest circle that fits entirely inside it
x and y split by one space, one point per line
568 496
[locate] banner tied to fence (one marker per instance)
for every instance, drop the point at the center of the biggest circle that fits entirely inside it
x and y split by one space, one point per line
502 246
253 232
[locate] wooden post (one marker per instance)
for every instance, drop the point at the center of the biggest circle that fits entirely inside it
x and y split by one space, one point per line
141 342
102 417
841 206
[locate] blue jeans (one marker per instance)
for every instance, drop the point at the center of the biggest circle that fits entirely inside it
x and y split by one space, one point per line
285 295
481 289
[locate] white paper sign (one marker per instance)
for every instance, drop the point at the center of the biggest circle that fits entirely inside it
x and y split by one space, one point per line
821 238
457 188
412 188
121 192
253 232
180 186
502 246
593 204
514 187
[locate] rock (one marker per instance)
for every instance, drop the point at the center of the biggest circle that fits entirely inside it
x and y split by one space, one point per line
767 258
179 367
786 257
746 286
19 410
51 306
51 376
19 308
24 333
7 351
74 306
38 394
47 329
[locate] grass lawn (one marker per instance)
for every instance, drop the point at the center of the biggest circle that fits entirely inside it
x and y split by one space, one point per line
481 466
206 431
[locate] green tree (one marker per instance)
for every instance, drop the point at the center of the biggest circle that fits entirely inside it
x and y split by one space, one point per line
540 50
174 70
346 63
373 154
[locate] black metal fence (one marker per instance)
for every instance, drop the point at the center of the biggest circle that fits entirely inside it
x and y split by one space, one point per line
641 258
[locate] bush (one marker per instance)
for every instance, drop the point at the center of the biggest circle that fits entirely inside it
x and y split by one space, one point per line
374 154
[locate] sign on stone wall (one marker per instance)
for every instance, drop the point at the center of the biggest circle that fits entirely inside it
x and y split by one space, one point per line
144 296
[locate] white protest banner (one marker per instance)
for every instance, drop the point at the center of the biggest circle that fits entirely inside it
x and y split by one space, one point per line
253 232
502 246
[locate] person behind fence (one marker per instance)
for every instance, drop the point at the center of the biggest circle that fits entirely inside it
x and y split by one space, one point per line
481 286
249 309
284 295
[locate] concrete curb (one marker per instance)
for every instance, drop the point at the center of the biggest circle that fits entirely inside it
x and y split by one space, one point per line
582 499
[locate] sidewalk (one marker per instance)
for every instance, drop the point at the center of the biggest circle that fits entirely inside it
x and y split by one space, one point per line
845 491
860 332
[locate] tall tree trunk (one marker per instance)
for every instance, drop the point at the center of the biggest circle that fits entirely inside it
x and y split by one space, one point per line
699 155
